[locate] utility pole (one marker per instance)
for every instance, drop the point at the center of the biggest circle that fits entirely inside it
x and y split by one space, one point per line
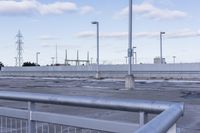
97 24
129 79
56 54
126 58
88 58
174 59
91 60
134 55
77 60
52 59
161 57
37 53
66 60
19 43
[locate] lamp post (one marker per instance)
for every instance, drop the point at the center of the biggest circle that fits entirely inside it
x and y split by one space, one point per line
97 24
91 60
174 59
161 58
129 79
52 58
134 57
126 58
37 54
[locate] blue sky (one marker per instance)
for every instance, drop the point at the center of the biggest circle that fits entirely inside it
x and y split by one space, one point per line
67 23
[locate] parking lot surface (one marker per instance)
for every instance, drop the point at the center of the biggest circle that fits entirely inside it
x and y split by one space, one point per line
162 90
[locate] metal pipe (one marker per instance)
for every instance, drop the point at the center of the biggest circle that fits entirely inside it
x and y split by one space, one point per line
161 58
97 24
164 122
133 55
56 54
37 53
130 38
90 101
52 58
174 59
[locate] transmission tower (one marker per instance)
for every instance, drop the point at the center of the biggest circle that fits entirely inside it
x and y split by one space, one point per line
19 43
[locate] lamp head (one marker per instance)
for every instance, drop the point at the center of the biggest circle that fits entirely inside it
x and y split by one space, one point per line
95 22
162 32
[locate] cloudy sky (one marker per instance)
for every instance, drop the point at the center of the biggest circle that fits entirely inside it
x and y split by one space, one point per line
67 23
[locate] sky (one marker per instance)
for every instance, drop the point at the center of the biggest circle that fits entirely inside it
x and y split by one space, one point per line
67 24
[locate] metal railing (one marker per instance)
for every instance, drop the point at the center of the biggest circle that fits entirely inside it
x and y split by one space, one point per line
30 120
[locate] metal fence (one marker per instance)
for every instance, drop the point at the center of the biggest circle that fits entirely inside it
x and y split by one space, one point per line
30 120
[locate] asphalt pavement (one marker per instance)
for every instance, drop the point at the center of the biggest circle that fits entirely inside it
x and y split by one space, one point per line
162 90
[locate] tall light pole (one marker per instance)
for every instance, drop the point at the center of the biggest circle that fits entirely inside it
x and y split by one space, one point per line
174 59
56 54
161 58
97 24
52 58
88 58
130 37
37 53
129 81
126 58
134 55
91 60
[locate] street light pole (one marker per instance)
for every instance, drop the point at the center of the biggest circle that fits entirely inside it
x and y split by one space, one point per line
126 59
37 53
97 24
130 37
161 58
91 60
174 59
134 55
52 58
129 79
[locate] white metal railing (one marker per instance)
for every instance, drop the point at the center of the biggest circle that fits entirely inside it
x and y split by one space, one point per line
165 121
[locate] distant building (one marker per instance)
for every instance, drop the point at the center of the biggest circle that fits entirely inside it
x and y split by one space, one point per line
157 60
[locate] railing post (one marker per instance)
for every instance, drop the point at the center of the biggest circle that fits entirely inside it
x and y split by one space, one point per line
143 118
173 129
31 123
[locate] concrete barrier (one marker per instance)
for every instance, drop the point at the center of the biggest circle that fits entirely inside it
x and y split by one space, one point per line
141 71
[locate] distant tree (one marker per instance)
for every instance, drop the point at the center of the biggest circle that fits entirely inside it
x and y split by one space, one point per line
28 64
1 65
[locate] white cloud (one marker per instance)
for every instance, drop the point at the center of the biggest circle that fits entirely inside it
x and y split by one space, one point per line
123 35
87 9
27 7
150 11
184 33
85 34
48 37
57 8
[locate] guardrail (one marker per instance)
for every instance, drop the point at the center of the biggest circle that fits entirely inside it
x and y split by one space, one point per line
165 121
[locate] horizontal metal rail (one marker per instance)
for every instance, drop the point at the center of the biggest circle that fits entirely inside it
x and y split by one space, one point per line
90 101
169 112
